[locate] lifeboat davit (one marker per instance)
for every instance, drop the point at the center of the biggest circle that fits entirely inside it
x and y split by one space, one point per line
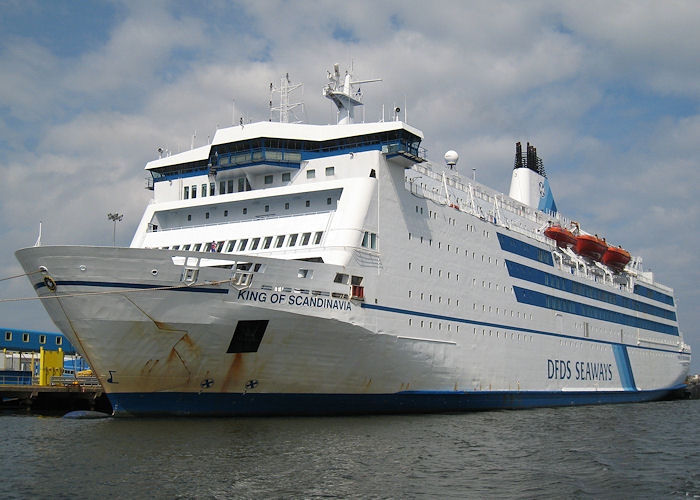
562 236
616 258
590 246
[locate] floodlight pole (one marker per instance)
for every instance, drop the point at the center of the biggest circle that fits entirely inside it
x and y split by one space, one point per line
115 217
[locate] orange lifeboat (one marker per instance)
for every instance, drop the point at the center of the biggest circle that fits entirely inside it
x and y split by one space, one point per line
590 246
616 258
562 236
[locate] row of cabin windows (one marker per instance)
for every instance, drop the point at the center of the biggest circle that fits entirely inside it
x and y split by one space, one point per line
252 244
224 187
243 184
329 201
25 338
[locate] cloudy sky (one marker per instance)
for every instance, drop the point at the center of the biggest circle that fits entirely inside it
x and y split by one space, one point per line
609 93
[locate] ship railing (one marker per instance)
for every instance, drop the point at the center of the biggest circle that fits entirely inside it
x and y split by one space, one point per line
74 381
257 218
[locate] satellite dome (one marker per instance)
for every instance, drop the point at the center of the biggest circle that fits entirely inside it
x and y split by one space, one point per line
451 157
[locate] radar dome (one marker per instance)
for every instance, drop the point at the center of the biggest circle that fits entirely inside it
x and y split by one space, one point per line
451 157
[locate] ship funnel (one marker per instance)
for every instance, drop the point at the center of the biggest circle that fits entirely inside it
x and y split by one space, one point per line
529 184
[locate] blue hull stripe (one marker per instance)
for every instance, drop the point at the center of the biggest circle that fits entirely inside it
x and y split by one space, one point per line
258 404
534 298
499 325
624 367
138 286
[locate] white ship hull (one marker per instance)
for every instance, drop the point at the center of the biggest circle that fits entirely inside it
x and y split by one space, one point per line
159 346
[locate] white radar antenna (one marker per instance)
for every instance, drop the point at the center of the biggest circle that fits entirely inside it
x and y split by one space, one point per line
286 109
342 93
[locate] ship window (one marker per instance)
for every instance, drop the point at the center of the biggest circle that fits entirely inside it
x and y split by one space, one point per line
196 247
372 173
206 215
59 340
330 171
267 241
189 217
305 238
185 247
219 246
268 179
245 211
176 247
186 194
286 177
311 174
222 187
247 336
42 339
279 241
231 245
292 240
243 243
317 238
229 186
308 203
25 337
255 243
225 213
373 241
267 208
212 187
204 190
365 239
341 278
8 336
328 201
194 192
286 206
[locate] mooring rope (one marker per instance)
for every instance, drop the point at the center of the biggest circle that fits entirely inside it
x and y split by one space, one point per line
20 275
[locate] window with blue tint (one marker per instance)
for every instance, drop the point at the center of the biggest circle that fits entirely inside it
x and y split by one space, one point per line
525 249
532 275
531 297
653 294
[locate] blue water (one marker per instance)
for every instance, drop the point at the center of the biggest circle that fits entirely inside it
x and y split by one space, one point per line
649 450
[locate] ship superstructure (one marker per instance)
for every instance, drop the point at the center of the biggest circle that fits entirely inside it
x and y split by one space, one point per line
303 269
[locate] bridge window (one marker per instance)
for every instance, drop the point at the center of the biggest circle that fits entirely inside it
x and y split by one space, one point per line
254 244
292 240
280 240
222 187
311 174
267 242
186 194
229 186
317 238
204 190
268 179
330 171
286 177
305 238
194 192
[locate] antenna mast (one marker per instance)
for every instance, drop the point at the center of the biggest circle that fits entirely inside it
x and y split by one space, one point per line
286 109
344 96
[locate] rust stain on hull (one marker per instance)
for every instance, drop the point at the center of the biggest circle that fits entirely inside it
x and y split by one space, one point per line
233 375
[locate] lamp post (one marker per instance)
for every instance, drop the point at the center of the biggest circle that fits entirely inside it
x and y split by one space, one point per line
115 217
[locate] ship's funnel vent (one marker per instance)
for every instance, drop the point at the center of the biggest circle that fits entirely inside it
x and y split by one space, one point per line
530 160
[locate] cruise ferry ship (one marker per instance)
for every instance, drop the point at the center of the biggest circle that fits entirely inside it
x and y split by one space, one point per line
290 268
